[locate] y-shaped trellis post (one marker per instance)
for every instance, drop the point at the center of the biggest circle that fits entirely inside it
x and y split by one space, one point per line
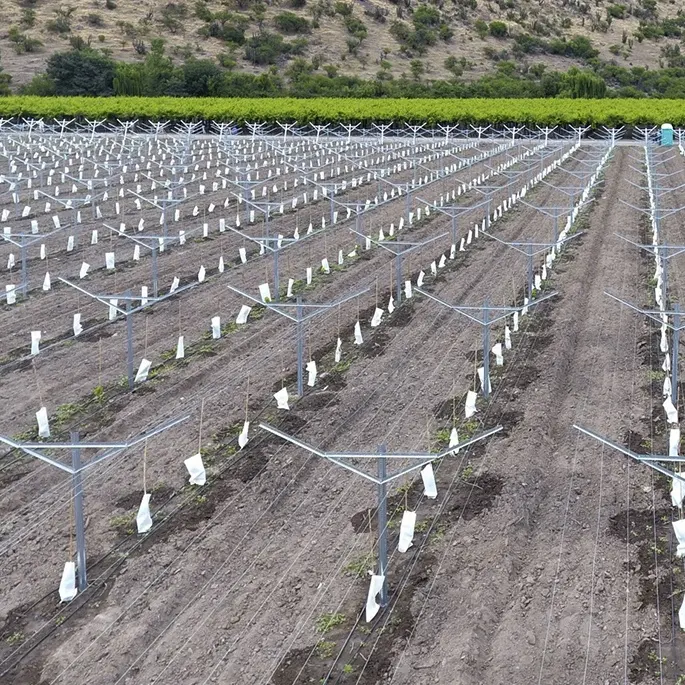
530 249
23 241
300 319
78 466
127 312
662 318
486 316
399 248
651 460
409 461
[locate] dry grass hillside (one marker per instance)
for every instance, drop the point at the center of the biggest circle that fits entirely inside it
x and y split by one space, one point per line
31 30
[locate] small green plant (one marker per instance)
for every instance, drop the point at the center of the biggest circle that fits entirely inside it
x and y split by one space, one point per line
123 523
326 622
62 22
60 620
348 669
358 568
467 472
325 649
99 394
15 638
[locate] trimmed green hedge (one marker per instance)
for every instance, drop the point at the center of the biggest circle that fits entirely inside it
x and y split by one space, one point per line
608 112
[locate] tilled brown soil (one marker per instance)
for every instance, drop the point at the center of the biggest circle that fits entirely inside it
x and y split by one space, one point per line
512 579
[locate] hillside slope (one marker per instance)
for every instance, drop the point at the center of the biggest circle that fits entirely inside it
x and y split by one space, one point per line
357 38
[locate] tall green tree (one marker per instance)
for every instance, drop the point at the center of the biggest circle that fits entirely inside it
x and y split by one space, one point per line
82 72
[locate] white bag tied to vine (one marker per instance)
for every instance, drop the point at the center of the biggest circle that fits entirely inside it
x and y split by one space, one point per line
470 406
43 425
67 585
376 318
454 440
78 328
674 442
497 351
358 340
407 289
391 305
243 314
679 530
35 342
281 398
143 371
216 327
406 531
372 606
180 348
429 488
243 436
196 470
311 370
507 338
671 411
143 518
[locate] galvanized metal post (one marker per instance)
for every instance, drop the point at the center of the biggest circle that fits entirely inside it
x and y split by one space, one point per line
24 270
382 523
129 341
486 349
154 271
300 349
529 275
79 523
398 271
674 358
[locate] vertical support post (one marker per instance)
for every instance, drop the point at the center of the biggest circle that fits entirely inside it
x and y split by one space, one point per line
664 271
486 349
398 273
129 341
382 524
79 523
454 228
529 274
277 277
24 270
556 226
674 358
407 205
300 349
332 205
154 271
487 216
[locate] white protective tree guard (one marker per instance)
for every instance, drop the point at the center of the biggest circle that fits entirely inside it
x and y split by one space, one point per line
243 436
481 378
679 530
243 314
671 411
35 342
311 371
674 442
180 348
681 615
281 398
454 440
325 267
113 309
143 518
174 285
406 531
677 491
309 275
47 284
376 318
201 274
470 406
143 371
391 305
358 340
338 351
407 289
43 425
265 292
372 606
422 275
507 338
67 586
216 327
196 469
78 328
429 488
109 260
497 351
11 294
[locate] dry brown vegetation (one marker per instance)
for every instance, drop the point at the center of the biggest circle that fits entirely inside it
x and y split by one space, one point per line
125 28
